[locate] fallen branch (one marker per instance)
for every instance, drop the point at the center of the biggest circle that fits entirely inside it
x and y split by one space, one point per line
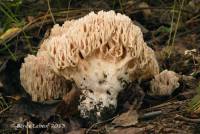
180 117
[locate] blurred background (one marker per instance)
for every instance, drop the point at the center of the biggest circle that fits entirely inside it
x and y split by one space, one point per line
170 27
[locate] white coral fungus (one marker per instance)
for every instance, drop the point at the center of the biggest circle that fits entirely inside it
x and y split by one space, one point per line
101 52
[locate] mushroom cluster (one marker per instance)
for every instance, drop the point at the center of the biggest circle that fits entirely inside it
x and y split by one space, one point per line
101 53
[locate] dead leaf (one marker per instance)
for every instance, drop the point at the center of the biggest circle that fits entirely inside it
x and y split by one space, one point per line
126 119
9 33
15 97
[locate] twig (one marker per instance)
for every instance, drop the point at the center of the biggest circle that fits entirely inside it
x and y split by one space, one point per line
45 17
180 117
53 19
176 27
173 130
150 114
163 105
5 109
37 22
10 52
72 12
161 37
192 19
156 8
121 7
99 123
172 22
3 66
68 8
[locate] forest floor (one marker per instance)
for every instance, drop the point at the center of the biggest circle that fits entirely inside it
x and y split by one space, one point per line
170 28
